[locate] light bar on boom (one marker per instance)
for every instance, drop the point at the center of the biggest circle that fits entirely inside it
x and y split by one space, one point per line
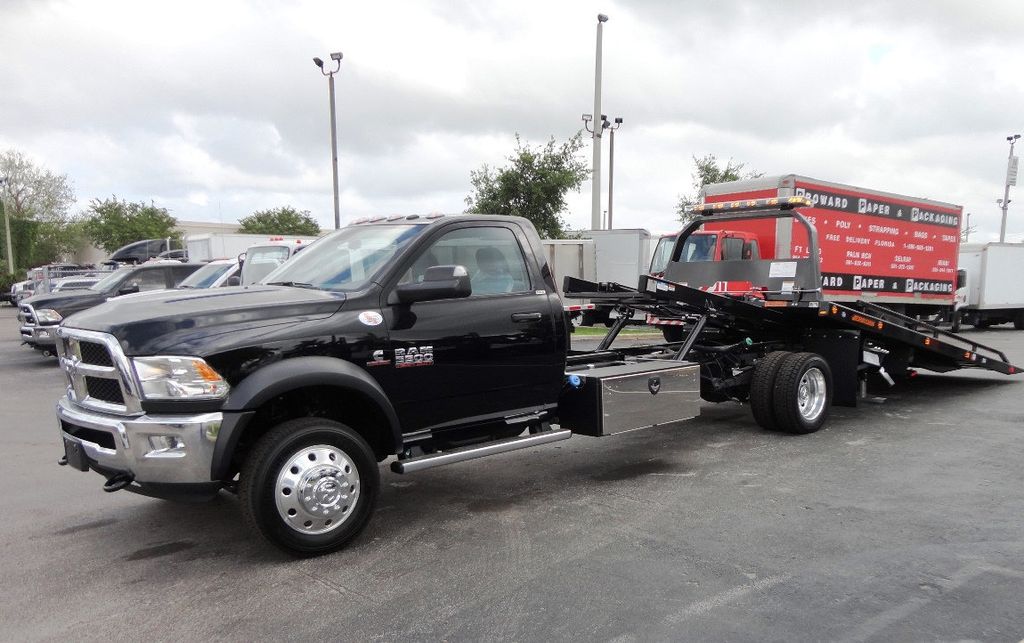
782 203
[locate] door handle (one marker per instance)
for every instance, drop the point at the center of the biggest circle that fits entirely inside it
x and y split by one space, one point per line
525 317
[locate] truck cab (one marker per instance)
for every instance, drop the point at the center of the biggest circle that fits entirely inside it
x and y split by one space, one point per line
402 336
709 245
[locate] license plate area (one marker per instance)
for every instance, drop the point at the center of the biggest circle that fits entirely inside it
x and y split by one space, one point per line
75 454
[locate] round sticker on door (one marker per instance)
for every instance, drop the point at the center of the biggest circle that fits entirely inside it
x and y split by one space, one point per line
371 318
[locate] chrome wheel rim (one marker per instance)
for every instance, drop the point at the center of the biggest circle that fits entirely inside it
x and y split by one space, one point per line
316 489
811 394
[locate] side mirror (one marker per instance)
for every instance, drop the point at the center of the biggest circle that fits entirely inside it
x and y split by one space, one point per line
439 282
961 279
234 280
128 289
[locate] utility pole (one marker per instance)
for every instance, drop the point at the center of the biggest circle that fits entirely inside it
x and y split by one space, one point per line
7 228
336 57
611 166
1011 179
595 210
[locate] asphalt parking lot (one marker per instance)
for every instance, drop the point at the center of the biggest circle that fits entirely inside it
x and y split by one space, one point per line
898 521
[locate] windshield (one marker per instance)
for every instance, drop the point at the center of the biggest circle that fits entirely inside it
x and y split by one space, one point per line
699 247
260 261
662 253
346 259
110 281
206 276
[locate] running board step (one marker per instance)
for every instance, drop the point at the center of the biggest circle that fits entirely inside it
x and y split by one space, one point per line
431 460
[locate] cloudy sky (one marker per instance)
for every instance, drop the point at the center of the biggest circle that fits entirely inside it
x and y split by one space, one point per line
214 109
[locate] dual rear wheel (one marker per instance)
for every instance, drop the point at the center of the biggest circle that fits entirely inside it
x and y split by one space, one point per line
791 392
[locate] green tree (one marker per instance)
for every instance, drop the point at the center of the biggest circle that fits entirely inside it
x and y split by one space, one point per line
533 186
37 202
707 171
113 223
283 220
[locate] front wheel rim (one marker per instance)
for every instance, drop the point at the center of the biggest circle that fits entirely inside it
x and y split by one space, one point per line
811 394
316 489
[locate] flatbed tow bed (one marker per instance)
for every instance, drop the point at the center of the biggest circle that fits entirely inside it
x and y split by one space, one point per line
940 350
741 337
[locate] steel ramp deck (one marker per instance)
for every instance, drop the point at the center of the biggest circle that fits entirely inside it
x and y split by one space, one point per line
938 349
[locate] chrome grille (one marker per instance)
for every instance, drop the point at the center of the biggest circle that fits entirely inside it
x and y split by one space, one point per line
103 389
98 372
94 353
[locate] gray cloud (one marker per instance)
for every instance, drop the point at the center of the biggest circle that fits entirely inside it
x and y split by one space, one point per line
217 109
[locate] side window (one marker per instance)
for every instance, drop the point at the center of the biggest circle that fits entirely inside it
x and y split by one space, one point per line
732 249
750 250
180 272
492 257
149 280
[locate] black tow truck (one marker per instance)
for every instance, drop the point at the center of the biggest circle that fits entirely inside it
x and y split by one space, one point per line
436 340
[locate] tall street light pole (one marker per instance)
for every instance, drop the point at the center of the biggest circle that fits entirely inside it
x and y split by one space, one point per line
7 228
336 57
595 210
611 166
1011 179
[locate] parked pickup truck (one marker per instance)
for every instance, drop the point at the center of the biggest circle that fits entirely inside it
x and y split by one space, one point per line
432 339
40 315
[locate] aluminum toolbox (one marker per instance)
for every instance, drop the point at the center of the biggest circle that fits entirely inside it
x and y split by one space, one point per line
627 396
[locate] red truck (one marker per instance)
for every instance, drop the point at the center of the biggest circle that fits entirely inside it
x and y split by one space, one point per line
885 248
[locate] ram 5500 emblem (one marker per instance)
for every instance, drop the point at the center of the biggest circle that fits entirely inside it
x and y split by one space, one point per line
414 356
405 357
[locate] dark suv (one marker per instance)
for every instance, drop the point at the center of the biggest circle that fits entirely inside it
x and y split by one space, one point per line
40 315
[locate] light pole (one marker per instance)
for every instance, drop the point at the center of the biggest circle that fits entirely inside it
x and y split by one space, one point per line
595 210
1011 179
611 165
336 57
7 228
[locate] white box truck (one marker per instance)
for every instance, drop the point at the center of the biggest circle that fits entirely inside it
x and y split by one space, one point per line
994 291
204 247
572 258
622 255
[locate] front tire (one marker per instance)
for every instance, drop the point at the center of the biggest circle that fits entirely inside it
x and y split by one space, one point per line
309 485
802 393
1018 320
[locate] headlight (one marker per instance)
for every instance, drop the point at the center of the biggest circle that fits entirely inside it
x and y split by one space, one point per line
48 316
172 378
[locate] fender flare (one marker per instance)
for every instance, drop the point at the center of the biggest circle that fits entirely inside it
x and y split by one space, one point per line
289 375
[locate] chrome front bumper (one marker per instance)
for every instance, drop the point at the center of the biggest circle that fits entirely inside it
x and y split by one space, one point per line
155 449
40 335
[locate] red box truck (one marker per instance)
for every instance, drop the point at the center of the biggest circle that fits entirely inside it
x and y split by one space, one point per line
877 246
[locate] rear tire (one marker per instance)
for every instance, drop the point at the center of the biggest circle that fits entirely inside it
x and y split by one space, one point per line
309 486
1018 320
762 387
983 323
802 393
956 323
673 333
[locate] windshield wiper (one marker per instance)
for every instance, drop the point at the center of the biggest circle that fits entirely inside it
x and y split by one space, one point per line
293 284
